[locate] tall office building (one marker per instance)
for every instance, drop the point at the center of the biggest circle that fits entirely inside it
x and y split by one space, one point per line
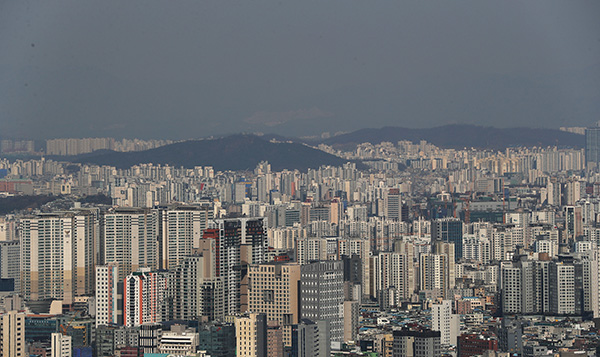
251 335
311 339
10 262
12 334
107 307
448 230
144 298
592 147
58 255
395 209
130 239
322 295
61 345
273 290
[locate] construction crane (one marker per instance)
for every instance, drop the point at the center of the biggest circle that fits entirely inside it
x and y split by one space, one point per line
64 328
467 210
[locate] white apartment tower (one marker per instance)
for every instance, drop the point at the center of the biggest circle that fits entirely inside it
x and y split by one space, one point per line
58 255
443 320
130 240
107 277
144 298
181 228
434 272
562 288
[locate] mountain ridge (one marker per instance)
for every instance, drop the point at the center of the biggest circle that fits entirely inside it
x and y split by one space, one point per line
234 152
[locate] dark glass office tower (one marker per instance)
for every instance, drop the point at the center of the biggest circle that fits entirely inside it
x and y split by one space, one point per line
448 230
592 147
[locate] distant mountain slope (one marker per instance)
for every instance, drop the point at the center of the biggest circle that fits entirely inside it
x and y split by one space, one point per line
460 136
236 152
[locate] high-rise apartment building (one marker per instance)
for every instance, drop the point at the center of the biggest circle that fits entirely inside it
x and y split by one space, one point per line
8 229
444 321
393 271
107 307
236 241
351 317
562 288
524 285
447 249
559 287
322 295
144 298
12 334
433 273
130 239
361 248
196 291
511 289
180 229
58 255
403 267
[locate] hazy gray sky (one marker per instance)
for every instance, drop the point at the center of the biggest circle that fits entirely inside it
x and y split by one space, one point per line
185 69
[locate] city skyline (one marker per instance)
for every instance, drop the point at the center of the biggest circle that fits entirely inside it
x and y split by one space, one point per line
299 179
419 251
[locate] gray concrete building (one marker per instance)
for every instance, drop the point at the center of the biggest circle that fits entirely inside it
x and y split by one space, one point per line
322 295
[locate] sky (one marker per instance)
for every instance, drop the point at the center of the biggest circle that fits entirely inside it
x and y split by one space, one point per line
184 69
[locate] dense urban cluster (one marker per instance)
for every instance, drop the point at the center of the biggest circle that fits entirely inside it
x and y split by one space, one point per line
406 250
72 146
